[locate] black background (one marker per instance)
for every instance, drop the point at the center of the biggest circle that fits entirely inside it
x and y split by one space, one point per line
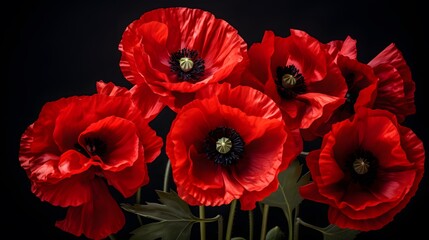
60 49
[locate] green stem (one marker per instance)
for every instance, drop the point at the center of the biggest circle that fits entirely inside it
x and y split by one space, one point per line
230 219
209 220
198 220
296 224
138 201
251 225
112 237
299 221
166 176
202 224
264 221
290 226
220 228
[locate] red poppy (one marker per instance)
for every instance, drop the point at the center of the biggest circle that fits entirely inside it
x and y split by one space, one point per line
346 48
80 143
142 96
396 87
229 145
362 90
367 170
384 83
299 74
176 51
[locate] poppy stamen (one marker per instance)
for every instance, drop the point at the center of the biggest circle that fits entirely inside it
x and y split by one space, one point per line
224 146
187 65
289 82
361 165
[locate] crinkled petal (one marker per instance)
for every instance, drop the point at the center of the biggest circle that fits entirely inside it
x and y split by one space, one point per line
110 89
396 86
252 102
336 217
97 218
259 57
345 48
304 52
130 179
263 156
392 92
119 142
85 110
72 191
317 105
147 101
248 199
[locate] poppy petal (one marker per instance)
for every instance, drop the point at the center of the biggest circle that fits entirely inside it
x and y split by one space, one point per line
147 101
97 218
110 89
254 103
71 191
263 157
318 105
396 85
345 48
121 141
128 180
248 199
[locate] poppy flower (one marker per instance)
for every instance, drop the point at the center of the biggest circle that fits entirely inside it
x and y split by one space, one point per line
299 74
345 48
142 96
177 51
229 145
395 91
367 170
81 145
384 83
361 92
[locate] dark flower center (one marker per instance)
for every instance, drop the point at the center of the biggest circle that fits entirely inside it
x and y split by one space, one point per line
351 95
187 65
93 147
289 82
362 166
224 146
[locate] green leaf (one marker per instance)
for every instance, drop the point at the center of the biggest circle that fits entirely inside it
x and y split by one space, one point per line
333 232
275 234
173 209
174 216
165 230
287 196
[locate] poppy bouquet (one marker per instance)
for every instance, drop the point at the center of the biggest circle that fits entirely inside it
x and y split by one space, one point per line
244 118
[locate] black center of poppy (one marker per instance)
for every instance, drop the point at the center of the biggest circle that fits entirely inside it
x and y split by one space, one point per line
93 146
289 82
187 65
224 146
362 166
351 95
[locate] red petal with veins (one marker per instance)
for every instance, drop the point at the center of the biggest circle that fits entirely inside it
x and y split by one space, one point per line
97 218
